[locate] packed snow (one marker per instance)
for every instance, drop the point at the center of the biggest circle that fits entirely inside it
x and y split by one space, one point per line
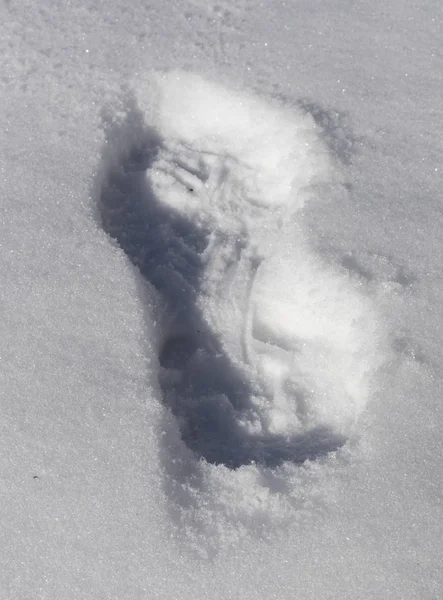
221 325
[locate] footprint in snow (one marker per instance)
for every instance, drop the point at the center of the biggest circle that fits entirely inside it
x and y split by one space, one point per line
266 354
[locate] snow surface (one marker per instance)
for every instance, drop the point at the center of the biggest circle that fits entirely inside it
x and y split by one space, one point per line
221 325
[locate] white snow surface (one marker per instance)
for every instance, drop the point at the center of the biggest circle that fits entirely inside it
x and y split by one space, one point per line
221 300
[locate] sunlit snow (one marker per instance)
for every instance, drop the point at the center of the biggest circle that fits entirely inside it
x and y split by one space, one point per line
221 286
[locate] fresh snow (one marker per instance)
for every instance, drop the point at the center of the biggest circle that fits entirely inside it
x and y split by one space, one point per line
221 326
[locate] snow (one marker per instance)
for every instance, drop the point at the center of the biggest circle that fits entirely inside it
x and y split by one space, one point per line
221 326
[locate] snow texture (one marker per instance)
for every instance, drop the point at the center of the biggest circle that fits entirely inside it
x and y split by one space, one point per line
220 342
